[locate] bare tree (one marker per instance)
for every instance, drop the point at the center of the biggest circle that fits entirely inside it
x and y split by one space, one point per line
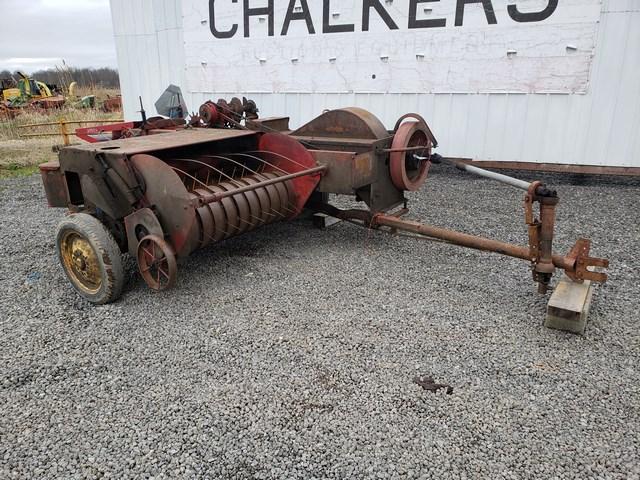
85 77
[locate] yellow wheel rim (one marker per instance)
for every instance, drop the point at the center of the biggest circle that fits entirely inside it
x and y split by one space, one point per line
81 262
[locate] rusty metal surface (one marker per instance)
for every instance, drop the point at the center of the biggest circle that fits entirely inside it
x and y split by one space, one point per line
270 124
167 141
226 115
346 171
272 193
420 120
214 220
288 156
98 168
112 104
55 185
582 261
264 205
574 264
168 195
284 198
139 224
346 123
540 231
247 188
231 222
409 169
209 113
242 211
358 145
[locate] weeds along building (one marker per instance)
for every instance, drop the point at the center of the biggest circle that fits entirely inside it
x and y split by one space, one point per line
535 81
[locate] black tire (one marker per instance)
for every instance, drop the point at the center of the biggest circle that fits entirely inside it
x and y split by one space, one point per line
90 258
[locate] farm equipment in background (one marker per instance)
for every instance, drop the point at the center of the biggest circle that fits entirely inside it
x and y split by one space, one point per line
173 188
112 104
30 92
27 92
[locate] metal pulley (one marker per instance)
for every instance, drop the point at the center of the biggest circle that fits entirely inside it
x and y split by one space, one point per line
410 153
157 263
209 114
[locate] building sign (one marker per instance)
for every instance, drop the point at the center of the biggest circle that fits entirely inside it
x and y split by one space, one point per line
389 46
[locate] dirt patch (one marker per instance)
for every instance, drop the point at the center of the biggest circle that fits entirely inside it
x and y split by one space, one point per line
25 153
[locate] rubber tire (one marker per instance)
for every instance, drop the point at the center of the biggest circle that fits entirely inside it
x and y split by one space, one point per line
107 250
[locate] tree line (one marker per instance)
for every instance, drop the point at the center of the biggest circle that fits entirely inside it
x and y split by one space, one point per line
63 76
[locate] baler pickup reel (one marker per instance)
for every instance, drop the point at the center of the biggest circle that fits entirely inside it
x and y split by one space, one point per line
165 194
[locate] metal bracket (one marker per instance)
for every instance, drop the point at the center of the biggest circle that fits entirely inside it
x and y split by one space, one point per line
145 220
533 223
579 257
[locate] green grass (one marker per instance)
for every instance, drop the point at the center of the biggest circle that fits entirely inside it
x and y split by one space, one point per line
15 170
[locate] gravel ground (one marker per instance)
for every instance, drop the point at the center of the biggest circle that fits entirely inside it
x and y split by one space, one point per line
291 352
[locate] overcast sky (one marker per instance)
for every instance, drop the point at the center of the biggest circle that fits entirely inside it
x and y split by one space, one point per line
37 34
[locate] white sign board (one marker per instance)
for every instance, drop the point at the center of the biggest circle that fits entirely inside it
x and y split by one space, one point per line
389 46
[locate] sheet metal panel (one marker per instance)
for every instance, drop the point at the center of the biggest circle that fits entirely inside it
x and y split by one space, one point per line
464 48
597 128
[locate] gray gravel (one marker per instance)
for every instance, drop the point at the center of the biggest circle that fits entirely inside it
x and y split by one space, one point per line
291 352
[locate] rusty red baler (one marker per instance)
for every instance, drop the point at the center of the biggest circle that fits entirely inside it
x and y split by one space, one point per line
166 192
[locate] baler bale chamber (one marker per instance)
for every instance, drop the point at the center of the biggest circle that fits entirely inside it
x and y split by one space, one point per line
162 194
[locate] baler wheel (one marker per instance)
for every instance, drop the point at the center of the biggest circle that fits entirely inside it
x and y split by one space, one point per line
91 258
157 263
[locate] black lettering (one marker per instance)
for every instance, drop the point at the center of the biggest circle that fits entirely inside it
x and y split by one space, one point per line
303 15
488 11
366 10
532 16
257 11
327 27
212 23
426 23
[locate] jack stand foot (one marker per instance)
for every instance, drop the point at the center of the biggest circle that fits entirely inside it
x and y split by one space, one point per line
568 308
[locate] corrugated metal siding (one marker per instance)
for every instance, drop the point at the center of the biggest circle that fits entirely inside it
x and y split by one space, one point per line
599 128
150 48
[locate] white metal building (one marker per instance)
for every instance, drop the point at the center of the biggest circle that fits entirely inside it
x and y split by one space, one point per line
541 81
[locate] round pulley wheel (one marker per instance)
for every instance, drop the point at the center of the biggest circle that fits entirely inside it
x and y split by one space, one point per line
209 113
409 165
157 263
